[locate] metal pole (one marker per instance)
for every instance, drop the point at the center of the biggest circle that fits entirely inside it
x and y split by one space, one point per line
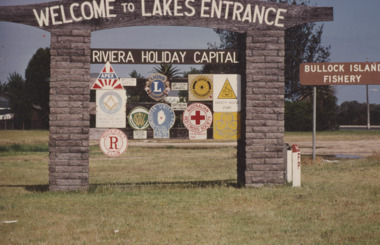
368 111
314 118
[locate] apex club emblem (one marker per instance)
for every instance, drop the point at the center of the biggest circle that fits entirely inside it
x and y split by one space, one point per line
113 142
201 87
138 118
161 119
197 118
157 86
107 79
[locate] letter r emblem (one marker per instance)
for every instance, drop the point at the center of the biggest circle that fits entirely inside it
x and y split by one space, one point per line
113 142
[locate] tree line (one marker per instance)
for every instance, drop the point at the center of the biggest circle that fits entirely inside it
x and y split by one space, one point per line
31 93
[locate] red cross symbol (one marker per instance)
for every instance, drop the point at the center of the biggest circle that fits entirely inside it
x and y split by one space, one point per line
198 118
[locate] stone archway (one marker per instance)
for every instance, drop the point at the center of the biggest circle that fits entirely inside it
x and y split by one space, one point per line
260 150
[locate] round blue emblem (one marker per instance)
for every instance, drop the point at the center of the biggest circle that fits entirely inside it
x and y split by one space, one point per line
161 119
157 86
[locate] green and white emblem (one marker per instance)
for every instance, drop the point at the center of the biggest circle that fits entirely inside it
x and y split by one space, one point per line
138 118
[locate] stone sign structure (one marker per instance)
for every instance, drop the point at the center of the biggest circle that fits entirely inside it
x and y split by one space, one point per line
261 24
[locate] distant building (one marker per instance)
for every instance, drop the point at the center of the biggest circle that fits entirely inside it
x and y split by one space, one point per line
6 117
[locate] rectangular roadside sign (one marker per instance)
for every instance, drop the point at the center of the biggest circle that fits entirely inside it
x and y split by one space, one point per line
360 73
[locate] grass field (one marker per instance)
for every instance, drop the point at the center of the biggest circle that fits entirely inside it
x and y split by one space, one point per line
184 196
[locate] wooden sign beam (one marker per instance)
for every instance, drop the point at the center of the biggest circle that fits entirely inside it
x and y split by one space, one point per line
238 16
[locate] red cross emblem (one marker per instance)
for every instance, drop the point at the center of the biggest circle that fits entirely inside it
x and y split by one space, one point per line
198 117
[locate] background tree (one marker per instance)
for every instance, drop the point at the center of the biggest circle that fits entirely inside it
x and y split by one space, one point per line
3 88
37 76
355 113
168 70
228 40
303 44
19 100
137 94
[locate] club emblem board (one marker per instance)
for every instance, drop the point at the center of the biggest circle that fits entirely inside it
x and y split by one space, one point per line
227 93
107 79
111 108
161 119
113 142
157 86
138 120
197 118
200 87
227 125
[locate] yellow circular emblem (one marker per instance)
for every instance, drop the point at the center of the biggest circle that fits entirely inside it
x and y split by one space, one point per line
201 87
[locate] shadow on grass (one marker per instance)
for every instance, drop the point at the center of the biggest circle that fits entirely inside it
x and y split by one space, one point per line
153 184
31 188
170 184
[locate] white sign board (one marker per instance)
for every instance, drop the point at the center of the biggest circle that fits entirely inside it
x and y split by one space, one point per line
140 134
227 93
179 86
179 106
132 82
111 108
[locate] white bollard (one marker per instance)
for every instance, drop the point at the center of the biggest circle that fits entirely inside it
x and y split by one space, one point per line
289 164
296 160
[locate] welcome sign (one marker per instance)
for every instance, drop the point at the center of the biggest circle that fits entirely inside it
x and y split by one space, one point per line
105 9
261 28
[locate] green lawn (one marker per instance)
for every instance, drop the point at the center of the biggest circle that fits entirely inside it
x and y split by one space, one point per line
183 196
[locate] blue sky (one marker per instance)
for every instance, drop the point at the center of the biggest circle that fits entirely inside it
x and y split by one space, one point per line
353 36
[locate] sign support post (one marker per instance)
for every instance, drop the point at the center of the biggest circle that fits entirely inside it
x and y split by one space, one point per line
314 118
368 110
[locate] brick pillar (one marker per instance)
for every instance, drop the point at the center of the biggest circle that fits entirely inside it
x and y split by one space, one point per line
69 110
264 115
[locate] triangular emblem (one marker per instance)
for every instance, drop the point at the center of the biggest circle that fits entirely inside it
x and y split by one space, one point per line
227 92
107 79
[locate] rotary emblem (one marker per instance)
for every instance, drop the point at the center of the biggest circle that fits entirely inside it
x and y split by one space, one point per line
157 86
201 88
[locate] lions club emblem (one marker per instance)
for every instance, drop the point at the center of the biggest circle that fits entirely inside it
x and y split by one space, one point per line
157 86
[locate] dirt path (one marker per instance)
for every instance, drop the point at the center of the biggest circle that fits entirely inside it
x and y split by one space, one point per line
353 147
